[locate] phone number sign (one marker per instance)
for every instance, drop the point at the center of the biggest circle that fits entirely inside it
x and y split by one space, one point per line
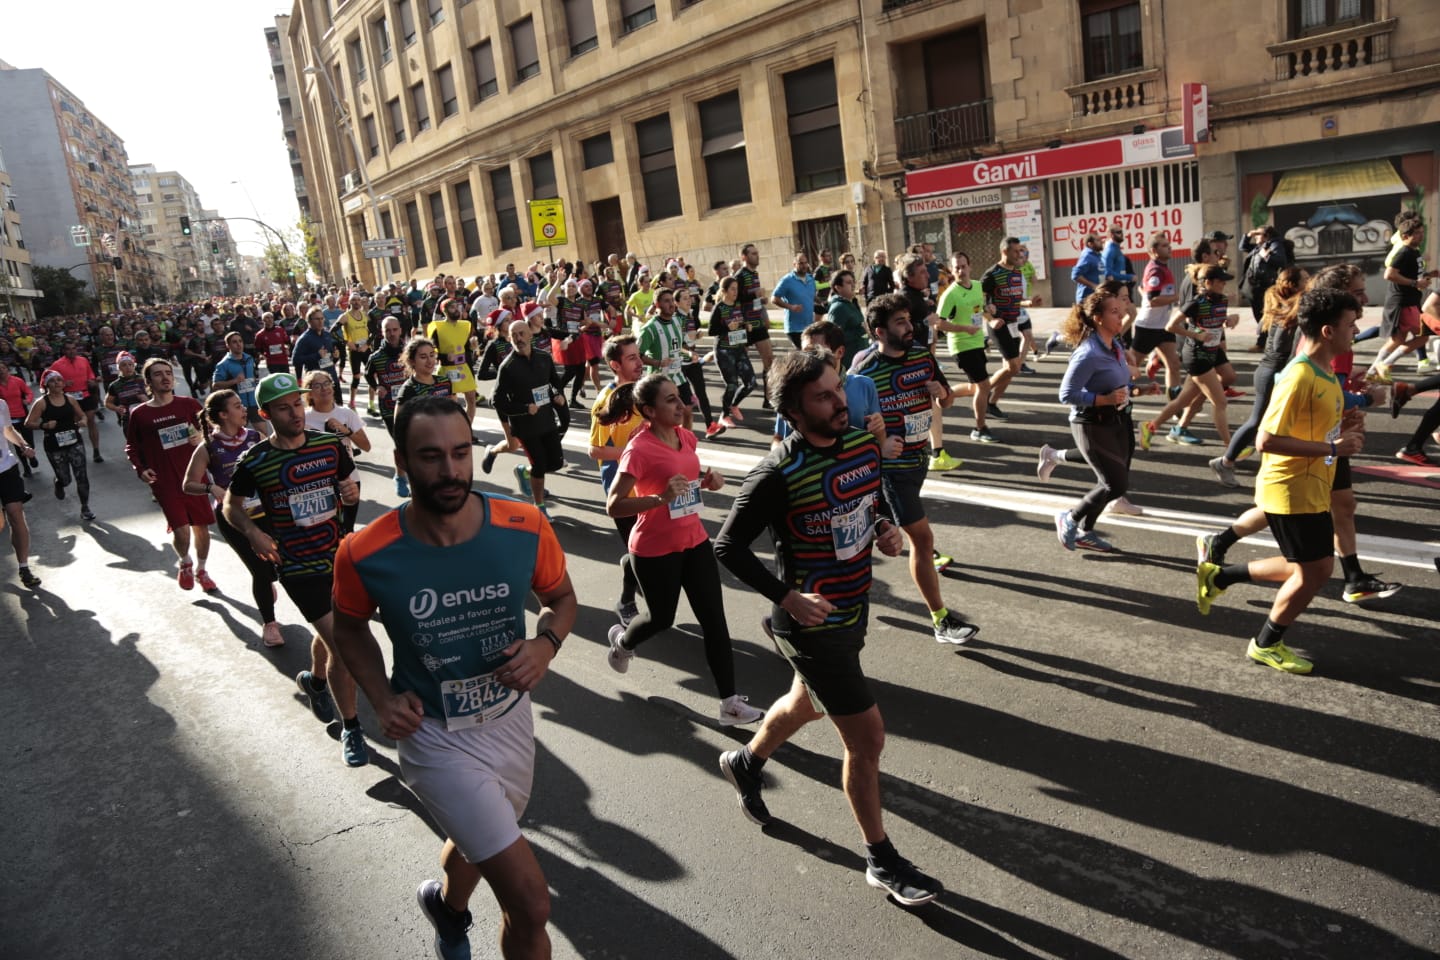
1180 222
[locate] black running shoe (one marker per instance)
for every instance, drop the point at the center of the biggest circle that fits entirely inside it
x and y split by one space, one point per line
747 787
904 881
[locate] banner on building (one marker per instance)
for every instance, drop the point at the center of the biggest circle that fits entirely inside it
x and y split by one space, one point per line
1023 222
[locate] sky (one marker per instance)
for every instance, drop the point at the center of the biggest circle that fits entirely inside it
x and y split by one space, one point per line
186 85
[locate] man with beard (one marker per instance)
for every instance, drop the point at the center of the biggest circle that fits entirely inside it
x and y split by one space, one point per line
526 395
386 368
82 386
300 478
908 380
795 294
817 496
460 712
752 302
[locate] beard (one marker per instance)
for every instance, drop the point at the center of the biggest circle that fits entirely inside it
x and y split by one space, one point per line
899 343
832 428
445 497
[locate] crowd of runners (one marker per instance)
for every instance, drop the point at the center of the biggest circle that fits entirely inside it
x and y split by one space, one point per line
261 444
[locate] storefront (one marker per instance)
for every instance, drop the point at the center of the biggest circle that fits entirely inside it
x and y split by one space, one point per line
1051 198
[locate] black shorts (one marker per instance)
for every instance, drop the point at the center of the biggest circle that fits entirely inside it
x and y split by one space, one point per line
1221 358
1148 338
1303 537
972 364
357 360
12 488
544 453
829 666
687 394
1343 480
1009 346
91 403
310 593
277 367
902 494
1199 363
1025 323
756 334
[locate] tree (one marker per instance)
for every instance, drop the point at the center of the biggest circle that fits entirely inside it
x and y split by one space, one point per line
312 246
284 268
64 294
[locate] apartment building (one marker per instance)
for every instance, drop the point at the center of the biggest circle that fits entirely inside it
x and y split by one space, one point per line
282 68
72 176
164 198
690 127
17 283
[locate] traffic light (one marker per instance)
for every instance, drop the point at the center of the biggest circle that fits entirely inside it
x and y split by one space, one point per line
117 263
185 226
214 246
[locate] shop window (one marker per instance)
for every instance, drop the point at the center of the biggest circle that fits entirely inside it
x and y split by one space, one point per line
1110 31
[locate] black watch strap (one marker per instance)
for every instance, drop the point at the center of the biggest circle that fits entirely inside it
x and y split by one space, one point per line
550 635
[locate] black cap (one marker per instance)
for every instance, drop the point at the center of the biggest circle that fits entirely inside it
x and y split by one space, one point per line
1214 272
1215 236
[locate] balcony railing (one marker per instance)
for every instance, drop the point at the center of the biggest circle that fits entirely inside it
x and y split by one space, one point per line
1331 52
949 128
1127 92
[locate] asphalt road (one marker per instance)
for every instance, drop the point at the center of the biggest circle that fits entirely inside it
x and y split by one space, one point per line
1101 773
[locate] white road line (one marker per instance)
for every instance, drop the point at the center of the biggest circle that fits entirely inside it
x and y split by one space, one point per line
1420 554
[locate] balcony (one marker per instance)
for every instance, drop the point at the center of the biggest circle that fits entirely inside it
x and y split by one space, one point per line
1332 52
1129 92
926 135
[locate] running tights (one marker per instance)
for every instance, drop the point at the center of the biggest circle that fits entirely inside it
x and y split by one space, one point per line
575 372
1245 435
628 582
1106 447
68 462
739 374
262 572
694 372
696 572
1429 423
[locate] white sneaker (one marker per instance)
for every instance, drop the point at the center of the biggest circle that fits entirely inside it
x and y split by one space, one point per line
1047 462
1123 505
619 658
736 709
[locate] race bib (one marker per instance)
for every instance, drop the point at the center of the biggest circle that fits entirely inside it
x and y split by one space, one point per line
175 435
736 338
540 396
326 362
917 426
474 700
361 345
572 326
309 508
455 376
851 531
757 304
252 507
66 438
1013 329
245 386
77 395
276 348
672 366
454 359
394 311
1213 338
688 503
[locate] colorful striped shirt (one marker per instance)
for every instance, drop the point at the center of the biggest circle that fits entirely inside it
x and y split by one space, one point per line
903 386
299 490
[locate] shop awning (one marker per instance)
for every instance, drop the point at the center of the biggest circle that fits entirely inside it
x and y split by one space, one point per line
1338 181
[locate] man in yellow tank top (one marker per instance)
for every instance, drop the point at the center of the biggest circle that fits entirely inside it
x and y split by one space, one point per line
455 342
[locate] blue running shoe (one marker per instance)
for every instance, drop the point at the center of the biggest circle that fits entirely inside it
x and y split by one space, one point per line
1065 529
319 700
451 929
352 747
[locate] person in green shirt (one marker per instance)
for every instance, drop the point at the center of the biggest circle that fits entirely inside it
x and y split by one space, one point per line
638 304
843 311
962 318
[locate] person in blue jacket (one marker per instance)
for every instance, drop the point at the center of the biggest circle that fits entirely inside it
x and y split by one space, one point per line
1089 270
315 349
795 293
1117 265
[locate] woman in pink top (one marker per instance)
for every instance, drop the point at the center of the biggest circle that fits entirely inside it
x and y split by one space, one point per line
659 484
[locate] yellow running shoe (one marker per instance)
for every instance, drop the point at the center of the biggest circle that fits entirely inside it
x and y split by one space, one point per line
1280 657
1146 432
1206 592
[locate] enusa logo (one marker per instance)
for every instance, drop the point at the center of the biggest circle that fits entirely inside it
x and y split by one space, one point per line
423 604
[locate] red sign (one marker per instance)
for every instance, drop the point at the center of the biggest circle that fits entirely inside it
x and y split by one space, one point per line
1149 147
1196 97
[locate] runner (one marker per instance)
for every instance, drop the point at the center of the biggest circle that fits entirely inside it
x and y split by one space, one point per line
1158 300
659 482
15 449
454 339
752 304
908 379
694 366
125 391
59 416
421 363
1004 287
237 372
1201 323
608 439
1405 276
83 386
526 394
817 497
961 313
795 294
727 326
227 437
158 439
17 396
301 478
354 327
315 349
386 367
460 712
324 415
662 348
1301 436
273 343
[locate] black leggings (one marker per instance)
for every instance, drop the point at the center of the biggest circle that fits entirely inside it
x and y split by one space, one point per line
575 372
68 461
1107 448
694 372
1245 435
695 571
794 338
1429 423
739 374
628 581
262 572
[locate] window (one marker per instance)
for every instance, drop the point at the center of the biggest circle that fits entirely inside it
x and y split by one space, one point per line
634 14
441 226
382 39
542 177
1110 31
420 104
580 26
597 150
407 21
817 152
436 9
502 188
387 224
372 137
522 44
416 240
657 167
445 80
469 228
1317 16
397 121
167 196
722 145
357 58
482 58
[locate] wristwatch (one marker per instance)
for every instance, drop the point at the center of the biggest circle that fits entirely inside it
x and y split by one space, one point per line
550 635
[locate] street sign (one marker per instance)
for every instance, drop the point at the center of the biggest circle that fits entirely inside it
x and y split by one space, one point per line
80 235
383 248
547 222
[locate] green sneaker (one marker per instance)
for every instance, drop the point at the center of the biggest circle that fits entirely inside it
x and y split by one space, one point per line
1147 431
1206 592
1280 657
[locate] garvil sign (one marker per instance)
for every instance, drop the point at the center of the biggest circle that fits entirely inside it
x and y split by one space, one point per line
1151 147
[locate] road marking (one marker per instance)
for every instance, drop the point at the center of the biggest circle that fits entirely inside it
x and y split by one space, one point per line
1420 554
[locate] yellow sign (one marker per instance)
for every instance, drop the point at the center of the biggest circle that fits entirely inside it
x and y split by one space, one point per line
547 222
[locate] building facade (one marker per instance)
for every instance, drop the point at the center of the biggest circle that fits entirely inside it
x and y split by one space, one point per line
690 127
72 176
287 95
17 282
164 198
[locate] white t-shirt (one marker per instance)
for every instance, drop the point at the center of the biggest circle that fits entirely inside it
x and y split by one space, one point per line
315 420
482 306
8 456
